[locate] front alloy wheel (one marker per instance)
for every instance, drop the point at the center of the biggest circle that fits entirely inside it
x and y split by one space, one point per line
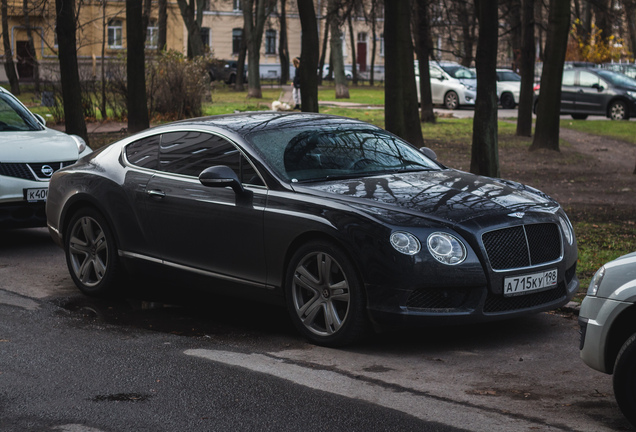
324 295
91 255
451 100
618 111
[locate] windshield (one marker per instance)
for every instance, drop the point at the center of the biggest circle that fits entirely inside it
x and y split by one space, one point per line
508 76
617 78
459 72
300 154
14 117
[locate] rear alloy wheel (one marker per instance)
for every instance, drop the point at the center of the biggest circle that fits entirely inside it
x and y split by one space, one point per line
625 379
324 295
91 254
507 101
451 100
618 111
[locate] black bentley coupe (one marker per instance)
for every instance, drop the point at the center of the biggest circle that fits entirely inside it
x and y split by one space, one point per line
344 223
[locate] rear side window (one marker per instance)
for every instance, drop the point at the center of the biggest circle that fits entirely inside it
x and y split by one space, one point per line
144 152
568 78
189 153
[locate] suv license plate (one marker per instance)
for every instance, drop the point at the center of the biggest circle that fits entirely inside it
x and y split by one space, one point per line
36 195
519 285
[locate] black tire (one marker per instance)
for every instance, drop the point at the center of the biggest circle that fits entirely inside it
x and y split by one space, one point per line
91 253
451 100
618 111
625 379
507 101
579 116
329 311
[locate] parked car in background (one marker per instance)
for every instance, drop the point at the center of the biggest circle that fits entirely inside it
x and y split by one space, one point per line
341 221
508 87
608 328
29 155
224 70
452 85
596 91
348 72
628 69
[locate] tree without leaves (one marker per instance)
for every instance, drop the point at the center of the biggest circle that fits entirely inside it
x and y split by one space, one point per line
484 154
69 73
255 14
526 65
9 65
336 20
283 48
309 56
162 24
36 65
193 25
135 68
423 46
630 18
546 134
400 92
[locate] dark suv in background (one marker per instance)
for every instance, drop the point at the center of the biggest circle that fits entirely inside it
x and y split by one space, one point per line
224 70
587 91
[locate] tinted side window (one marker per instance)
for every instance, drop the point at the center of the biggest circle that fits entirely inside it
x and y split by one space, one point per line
145 152
587 79
189 153
568 78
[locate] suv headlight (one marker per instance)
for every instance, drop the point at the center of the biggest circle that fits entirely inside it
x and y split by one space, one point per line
595 283
81 144
446 248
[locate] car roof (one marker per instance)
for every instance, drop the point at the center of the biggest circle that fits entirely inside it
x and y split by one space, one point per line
247 123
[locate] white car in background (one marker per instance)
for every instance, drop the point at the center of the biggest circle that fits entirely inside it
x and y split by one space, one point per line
508 87
452 85
29 155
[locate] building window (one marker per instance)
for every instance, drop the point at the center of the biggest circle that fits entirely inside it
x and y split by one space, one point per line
382 44
115 34
238 5
270 42
152 34
205 36
237 35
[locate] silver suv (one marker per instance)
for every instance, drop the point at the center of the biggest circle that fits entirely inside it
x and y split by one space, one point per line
452 85
608 328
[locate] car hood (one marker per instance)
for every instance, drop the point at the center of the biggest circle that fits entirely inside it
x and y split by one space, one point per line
470 82
37 146
447 195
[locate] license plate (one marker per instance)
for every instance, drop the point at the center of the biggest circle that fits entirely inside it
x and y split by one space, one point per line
519 285
35 195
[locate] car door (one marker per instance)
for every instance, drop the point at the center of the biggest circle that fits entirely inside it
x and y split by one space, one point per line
212 229
591 93
568 92
438 86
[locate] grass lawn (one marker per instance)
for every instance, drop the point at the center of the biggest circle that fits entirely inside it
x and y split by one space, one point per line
621 130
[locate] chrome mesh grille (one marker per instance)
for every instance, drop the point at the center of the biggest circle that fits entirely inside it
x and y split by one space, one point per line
522 246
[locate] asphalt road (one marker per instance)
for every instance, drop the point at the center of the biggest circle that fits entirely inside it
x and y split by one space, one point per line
170 359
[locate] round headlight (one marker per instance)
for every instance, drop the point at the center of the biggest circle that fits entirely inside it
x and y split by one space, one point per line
595 283
566 227
405 243
446 248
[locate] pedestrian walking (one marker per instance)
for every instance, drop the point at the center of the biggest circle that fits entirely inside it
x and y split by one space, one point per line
296 86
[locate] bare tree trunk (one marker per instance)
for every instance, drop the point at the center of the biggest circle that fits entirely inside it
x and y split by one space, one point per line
103 63
309 56
630 12
467 16
423 54
337 59
195 44
528 55
549 105
9 65
240 64
354 59
34 59
401 113
136 68
69 73
374 43
325 40
255 14
162 24
603 17
485 152
283 48
514 20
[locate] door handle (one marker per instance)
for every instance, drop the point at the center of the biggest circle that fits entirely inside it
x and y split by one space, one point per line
154 193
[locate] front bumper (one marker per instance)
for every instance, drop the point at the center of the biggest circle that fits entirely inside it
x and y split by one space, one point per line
467 304
15 211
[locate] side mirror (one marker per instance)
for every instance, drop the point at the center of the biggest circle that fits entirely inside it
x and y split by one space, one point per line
40 119
598 87
428 153
221 176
